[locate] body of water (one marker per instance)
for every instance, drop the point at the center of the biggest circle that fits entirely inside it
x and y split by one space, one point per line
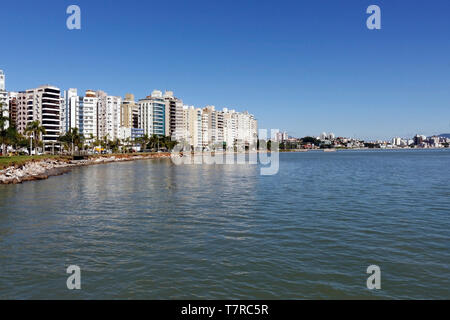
153 230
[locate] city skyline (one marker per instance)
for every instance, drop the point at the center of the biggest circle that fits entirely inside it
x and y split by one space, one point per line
303 71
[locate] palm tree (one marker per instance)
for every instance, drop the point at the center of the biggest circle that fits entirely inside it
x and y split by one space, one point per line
36 130
143 141
154 142
72 138
77 138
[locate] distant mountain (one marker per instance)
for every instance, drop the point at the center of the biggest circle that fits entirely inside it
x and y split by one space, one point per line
445 135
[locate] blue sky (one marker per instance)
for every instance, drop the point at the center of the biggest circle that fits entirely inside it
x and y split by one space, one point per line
301 66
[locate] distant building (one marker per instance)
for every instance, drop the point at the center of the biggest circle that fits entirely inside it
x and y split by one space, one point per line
419 139
281 137
396 141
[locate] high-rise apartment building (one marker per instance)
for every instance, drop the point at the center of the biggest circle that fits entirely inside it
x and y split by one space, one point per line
108 115
174 116
129 112
42 104
13 106
86 116
2 81
192 123
4 102
70 117
152 114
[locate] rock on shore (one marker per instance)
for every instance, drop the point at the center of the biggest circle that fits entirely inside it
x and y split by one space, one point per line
39 170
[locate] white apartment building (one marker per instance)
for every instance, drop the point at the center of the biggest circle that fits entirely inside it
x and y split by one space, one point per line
174 117
4 100
42 104
229 127
108 115
192 122
152 114
124 133
86 117
397 141
208 128
70 117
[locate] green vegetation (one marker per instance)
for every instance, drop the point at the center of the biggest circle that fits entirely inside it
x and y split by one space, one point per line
36 130
71 140
9 136
6 162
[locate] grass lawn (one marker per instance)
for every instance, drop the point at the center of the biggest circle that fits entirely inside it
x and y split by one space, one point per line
6 161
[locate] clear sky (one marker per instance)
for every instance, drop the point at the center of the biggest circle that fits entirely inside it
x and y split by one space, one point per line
301 66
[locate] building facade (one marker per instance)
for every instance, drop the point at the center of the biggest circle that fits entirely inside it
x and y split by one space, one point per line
13 107
174 116
86 116
42 104
70 115
4 101
152 114
129 112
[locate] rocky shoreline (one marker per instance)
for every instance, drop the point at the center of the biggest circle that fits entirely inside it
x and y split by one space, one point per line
43 169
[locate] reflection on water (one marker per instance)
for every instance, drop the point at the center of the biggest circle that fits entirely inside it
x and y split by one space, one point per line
151 229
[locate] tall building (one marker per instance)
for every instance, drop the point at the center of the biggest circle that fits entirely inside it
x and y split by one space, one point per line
128 112
108 115
13 107
239 129
152 114
70 116
42 104
2 81
192 122
174 116
230 128
214 136
396 141
87 115
4 102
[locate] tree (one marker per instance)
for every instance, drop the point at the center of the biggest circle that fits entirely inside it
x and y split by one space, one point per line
143 141
72 139
310 140
154 142
114 145
168 143
36 130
